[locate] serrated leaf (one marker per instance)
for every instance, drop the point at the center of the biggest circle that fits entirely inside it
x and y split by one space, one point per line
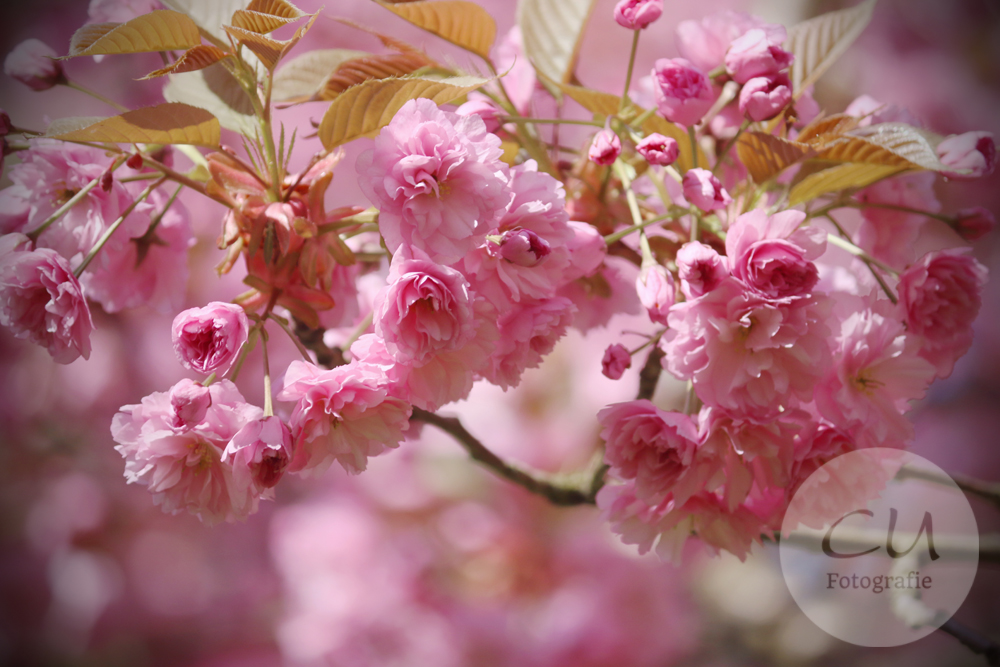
765 156
170 123
192 60
551 30
161 30
215 90
840 177
209 15
464 24
905 141
818 42
822 130
269 51
383 66
258 22
304 76
65 125
366 108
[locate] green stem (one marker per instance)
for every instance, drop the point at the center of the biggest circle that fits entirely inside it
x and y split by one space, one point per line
729 146
694 146
902 209
114 227
643 117
295 339
633 204
97 96
869 261
362 328
268 405
628 73
611 239
266 130
73 201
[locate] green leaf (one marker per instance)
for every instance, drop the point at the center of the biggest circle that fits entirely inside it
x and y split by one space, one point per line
552 30
161 30
368 107
464 24
818 42
192 60
169 123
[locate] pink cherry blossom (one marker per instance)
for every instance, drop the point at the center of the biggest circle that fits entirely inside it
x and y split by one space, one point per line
700 268
345 414
971 155
33 63
704 190
870 111
527 333
259 454
757 53
120 11
616 361
482 106
748 354
184 470
940 296
974 223
437 180
890 235
209 339
605 148
189 403
683 93
425 309
637 14
655 287
42 301
764 97
658 149
706 42
772 255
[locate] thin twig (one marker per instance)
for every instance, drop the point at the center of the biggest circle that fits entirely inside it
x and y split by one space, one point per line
649 376
989 491
312 339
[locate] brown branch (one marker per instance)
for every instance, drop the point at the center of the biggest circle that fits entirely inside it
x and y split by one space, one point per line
312 339
556 493
989 491
649 376
975 642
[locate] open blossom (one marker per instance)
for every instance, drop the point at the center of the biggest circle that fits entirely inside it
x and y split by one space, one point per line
437 180
345 414
974 153
746 353
655 287
683 93
527 333
700 268
605 148
208 339
33 63
974 223
42 301
616 361
757 53
425 309
658 149
259 454
940 296
183 469
637 14
773 256
764 97
704 190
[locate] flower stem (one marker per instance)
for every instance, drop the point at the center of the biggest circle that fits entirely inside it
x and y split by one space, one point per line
694 146
295 339
628 74
870 261
611 239
97 96
362 328
901 209
74 200
268 405
549 121
114 227
729 146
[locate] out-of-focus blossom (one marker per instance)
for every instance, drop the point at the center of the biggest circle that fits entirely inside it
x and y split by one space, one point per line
616 361
705 42
259 454
527 333
772 255
683 93
973 153
658 149
700 268
189 403
655 287
974 223
437 180
120 11
482 106
637 14
704 190
870 111
209 339
520 81
33 63
605 148
764 97
940 297
757 53
42 301
887 234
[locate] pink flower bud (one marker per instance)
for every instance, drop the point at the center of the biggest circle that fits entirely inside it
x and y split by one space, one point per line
606 147
658 149
259 453
616 360
5 124
637 14
485 109
42 301
757 53
973 152
523 247
189 403
683 93
31 62
655 287
764 97
700 269
209 339
704 190
974 223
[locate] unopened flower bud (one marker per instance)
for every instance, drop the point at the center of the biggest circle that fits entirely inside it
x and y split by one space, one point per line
134 161
615 362
655 287
658 149
683 93
189 403
764 97
606 147
704 190
483 108
637 14
755 54
973 152
523 247
974 223
209 339
31 62
259 453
